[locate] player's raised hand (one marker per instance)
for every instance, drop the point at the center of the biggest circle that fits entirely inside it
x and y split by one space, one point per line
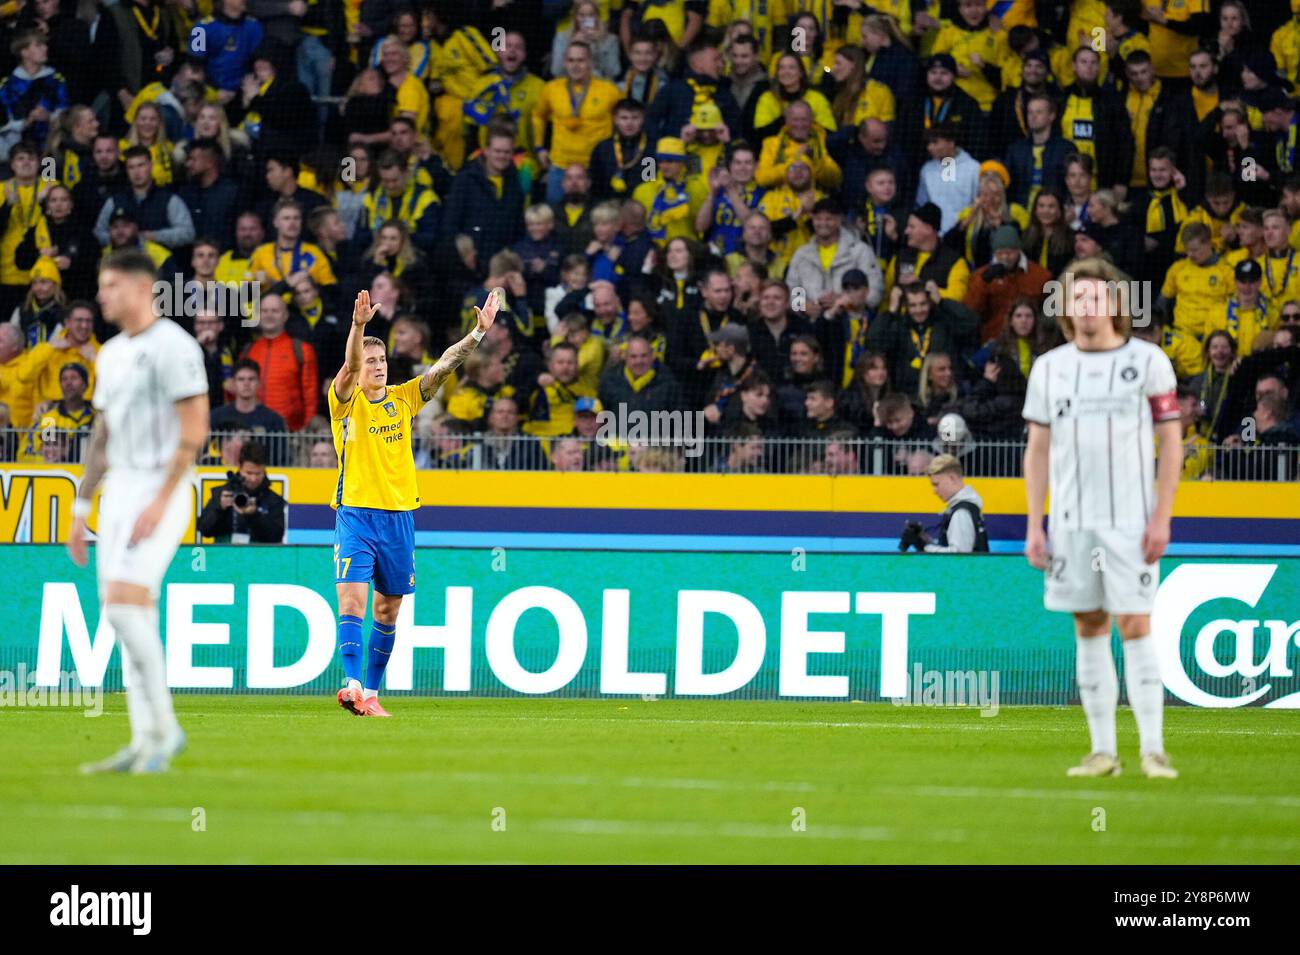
363 311
488 313
1036 547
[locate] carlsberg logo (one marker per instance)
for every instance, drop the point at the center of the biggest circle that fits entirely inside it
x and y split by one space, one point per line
1191 586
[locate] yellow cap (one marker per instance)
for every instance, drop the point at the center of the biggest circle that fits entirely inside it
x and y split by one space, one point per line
993 166
670 148
46 269
706 115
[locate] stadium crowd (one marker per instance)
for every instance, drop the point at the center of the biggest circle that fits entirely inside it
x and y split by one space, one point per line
829 225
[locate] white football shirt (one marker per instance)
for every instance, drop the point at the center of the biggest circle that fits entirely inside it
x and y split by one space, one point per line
1102 407
138 381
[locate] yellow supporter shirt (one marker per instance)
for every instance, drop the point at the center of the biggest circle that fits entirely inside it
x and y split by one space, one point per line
45 365
25 214
1285 47
1242 323
277 264
1281 283
1170 50
15 392
1200 292
1184 353
964 45
373 440
413 100
578 118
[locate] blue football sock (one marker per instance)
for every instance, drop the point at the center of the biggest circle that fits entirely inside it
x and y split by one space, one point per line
350 646
382 638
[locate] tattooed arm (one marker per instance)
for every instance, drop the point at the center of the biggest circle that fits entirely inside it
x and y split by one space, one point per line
451 359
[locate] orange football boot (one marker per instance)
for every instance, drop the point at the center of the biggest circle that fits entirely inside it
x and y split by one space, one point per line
371 707
351 701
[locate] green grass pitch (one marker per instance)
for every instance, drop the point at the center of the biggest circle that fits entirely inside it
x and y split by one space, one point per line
294 779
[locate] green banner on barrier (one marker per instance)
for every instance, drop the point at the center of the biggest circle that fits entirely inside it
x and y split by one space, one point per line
917 629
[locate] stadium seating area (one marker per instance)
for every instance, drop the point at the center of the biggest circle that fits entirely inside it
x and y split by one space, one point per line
813 237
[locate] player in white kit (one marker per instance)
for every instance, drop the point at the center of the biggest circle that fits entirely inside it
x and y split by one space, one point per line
151 399
1095 408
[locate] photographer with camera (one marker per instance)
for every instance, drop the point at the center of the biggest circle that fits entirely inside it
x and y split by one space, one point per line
961 526
245 509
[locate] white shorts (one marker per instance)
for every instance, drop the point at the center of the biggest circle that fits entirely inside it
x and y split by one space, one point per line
1099 570
146 563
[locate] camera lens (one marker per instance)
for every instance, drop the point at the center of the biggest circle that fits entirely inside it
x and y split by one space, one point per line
241 499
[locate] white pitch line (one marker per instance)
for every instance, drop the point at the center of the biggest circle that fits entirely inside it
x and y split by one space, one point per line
1090 795
668 830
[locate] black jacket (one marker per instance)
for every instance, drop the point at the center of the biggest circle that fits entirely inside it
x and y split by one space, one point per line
671 109
474 209
1111 133
951 328
264 526
213 209
1020 163
960 111
661 394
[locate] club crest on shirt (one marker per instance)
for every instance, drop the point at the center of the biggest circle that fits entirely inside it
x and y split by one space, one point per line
391 409
1129 373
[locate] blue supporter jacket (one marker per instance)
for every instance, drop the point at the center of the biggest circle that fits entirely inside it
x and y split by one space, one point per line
227 46
20 93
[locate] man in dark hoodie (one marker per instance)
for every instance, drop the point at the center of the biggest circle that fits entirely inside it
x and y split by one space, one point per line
1009 120
941 101
486 202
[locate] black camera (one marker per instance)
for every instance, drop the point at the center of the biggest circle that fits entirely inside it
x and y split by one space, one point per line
913 536
241 496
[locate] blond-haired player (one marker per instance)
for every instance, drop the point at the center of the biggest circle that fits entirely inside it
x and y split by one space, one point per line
376 494
1095 407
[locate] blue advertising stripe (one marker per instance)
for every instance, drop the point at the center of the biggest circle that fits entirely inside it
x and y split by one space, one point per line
707 544
792 525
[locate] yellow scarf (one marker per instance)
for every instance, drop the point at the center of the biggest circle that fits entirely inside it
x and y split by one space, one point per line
638 383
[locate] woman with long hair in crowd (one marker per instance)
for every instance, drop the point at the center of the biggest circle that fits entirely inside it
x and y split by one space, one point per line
212 123
73 247
890 59
993 406
366 108
586 25
789 85
1233 43
938 385
870 383
45 303
391 251
72 139
1079 172
642 319
855 97
1120 238
148 130
677 293
1211 385
1049 241
990 210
